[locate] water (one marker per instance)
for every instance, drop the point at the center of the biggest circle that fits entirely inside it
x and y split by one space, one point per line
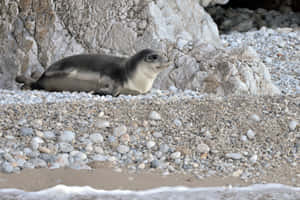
254 192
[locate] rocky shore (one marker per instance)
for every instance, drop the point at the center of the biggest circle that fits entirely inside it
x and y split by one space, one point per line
252 139
249 137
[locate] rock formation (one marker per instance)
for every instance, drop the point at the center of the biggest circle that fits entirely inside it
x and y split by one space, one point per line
36 33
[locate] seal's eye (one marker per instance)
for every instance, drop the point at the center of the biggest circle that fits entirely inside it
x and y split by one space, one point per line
151 58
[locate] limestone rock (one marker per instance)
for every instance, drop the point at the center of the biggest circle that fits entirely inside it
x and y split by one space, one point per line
219 71
33 35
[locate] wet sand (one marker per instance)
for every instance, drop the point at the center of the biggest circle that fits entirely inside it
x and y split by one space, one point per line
108 179
105 178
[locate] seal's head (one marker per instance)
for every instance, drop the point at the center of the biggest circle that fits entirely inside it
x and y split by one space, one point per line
149 61
143 68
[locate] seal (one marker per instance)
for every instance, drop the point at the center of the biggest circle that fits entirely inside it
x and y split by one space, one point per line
101 74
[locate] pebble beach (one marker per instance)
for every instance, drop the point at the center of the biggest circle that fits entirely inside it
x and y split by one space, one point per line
243 140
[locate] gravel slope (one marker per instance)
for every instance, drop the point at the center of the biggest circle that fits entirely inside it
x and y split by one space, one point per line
247 137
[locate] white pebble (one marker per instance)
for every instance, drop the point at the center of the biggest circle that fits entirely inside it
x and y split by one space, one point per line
100 123
177 122
67 136
89 147
175 155
123 149
293 125
154 115
250 134
244 138
255 117
35 143
234 156
203 148
253 159
150 144
96 138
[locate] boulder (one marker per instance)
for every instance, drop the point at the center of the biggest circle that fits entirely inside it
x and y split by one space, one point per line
36 33
237 71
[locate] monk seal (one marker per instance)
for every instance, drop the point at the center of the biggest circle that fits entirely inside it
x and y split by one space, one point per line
101 74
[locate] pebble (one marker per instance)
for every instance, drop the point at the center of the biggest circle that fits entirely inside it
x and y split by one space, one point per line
35 143
175 155
154 115
293 125
89 147
142 166
100 123
96 138
155 164
7 167
244 138
123 149
255 117
78 156
120 130
26 132
99 157
38 163
177 122
164 148
67 136
65 147
253 159
62 160
157 134
150 144
234 156
250 134
49 135
44 150
203 148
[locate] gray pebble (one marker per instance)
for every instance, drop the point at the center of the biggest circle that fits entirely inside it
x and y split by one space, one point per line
8 157
62 160
111 139
154 115
175 155
89 147
234 156
250 134
203 148
35 143
49 135
7 167
96 138
99 157
78 156
100 123
38 163
26 132
164 148
177 122
155 164
120 130
65 147
157 134
123 149
67 136
255 117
